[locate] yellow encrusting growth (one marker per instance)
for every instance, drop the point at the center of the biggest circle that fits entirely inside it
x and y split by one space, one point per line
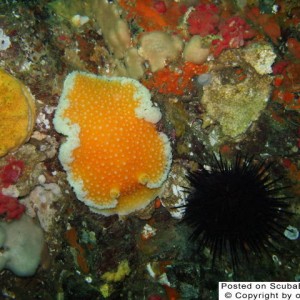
17 107
122 271
115 159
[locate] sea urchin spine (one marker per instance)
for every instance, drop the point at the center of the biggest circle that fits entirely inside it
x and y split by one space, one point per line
235 208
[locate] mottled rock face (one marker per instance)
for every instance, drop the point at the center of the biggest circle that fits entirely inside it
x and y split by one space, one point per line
260 56
236 96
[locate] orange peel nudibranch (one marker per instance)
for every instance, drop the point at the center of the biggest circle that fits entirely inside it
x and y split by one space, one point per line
114 193
143 179
115 159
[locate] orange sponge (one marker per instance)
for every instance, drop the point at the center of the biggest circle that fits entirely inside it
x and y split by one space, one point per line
17 113
115 159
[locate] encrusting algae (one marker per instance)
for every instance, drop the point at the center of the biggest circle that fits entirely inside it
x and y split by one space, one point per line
115 159
17 113
118 275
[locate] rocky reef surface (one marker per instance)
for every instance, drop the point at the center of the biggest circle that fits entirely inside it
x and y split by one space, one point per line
226 78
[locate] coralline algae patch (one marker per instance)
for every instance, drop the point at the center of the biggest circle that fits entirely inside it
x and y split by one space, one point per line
17 113
115 159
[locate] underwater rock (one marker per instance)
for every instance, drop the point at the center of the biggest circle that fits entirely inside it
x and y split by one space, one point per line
234 104
174 195
107 18
260 56
4 41
40 203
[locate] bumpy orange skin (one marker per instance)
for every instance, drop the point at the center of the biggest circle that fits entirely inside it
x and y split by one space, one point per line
121 158
17 109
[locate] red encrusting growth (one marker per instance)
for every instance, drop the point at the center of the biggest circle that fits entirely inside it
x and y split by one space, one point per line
160 6
294 47
286 83
176 82
279 67
267 23
10 207
204 20
10 173
235 33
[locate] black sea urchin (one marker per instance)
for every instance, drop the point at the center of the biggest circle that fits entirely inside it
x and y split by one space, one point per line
235 208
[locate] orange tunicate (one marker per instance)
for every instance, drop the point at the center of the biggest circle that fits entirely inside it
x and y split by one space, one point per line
114 157
17 107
